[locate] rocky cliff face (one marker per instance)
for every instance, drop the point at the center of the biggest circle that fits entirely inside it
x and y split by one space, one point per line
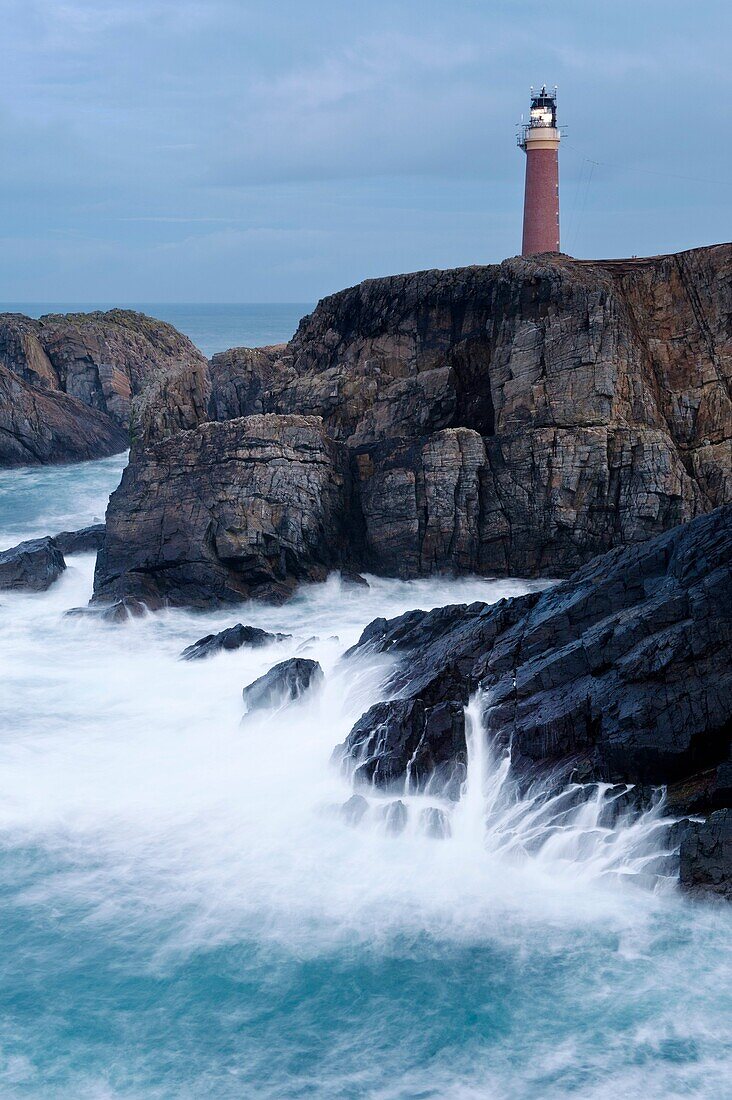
261 503
69 381
519 418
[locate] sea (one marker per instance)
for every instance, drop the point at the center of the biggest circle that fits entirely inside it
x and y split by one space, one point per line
186 911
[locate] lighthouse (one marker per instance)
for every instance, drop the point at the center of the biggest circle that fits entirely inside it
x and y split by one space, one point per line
539 139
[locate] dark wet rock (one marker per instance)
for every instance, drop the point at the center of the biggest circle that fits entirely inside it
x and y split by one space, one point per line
353 580
31 566
394 817
118 612
519 418
234 637
404 741
354 810
256 506
284 683
622 673
706 855
67 382
85 541
435 823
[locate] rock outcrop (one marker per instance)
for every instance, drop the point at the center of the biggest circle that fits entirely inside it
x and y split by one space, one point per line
31 566
40 426
87 540
706 855
623 673
261 503
67 381
519 418
283 684
234 637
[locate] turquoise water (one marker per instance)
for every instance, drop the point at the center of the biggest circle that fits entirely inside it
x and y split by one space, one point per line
184 914
212 328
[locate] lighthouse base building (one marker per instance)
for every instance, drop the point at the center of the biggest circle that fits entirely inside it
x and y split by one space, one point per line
539 139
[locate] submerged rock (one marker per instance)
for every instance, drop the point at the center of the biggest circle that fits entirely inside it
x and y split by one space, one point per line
435 823
394 817
232 638
353 580
86 540
354 810
706 855
118 612
31 566
283 684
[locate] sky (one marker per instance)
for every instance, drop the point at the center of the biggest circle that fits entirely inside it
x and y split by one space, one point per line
238 150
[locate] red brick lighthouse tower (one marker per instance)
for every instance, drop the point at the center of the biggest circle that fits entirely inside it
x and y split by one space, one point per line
539 139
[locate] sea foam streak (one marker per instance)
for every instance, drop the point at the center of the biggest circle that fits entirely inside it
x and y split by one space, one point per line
186 914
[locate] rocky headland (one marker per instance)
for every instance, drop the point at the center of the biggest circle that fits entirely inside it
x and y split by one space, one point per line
541 417
518 418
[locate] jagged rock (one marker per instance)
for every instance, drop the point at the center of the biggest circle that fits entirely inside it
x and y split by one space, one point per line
85 541
39 426
283 684
31 566
354 810
394 817
67 382
625 668
404 742
245 508
232 638
706 855
435 823
519 418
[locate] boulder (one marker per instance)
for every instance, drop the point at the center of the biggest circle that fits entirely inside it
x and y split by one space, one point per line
435 823
354 809
118 612
85 541
232 638
31 566
394 817
283 684
706 855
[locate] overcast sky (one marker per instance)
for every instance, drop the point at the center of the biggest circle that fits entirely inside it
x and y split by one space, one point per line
277 150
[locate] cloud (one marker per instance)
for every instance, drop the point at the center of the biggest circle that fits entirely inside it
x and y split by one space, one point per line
141 136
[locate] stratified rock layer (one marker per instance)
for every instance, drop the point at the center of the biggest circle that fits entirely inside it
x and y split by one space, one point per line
519 418
67 381
260 504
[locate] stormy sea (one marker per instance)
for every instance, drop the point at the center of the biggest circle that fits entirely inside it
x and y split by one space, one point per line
186 912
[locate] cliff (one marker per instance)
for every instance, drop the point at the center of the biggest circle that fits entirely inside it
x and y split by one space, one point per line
519 418
67 381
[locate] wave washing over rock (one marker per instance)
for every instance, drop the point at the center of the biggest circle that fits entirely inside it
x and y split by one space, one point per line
191 908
